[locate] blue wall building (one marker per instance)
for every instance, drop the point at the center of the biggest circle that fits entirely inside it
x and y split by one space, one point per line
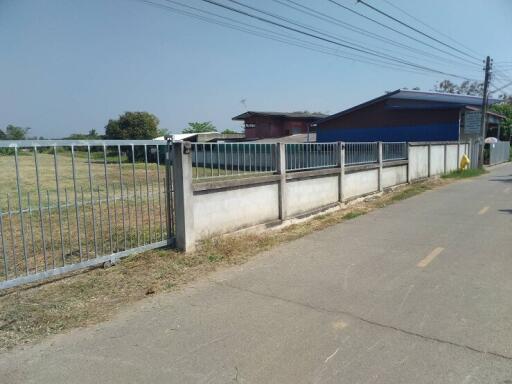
400 115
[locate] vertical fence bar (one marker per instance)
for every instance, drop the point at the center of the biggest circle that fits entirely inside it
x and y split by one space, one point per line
13 240
55 163
20 207
218 159
169 209
67 220
77 212
116 233
85 224
147 190
4 248
102 237
108 200
50 227
92 201
129 214
31 225
142 214
135 195
159 191
122 195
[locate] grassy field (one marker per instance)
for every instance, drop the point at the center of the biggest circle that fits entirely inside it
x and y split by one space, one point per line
76 224
47 174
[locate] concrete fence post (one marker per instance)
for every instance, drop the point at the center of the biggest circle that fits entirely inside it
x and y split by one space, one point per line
183 196
380 166
429 160
341 162
281 170
445 158
458 155
409 179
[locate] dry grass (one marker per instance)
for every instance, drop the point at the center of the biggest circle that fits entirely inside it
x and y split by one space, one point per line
30 314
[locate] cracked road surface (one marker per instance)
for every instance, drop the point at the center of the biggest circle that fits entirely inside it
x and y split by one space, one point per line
417 292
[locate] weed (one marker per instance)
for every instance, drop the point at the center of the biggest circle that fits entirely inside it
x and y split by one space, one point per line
462 174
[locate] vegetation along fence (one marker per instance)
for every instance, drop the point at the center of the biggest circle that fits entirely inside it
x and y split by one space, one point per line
66 205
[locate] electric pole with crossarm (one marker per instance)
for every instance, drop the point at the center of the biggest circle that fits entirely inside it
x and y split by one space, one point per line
488 64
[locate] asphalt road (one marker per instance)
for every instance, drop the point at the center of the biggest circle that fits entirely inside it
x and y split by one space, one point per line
417 292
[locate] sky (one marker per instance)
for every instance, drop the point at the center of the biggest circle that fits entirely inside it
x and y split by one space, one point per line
68 66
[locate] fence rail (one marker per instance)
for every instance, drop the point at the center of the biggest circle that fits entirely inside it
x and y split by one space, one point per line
69 204
213 160
361 153
311 156
394 151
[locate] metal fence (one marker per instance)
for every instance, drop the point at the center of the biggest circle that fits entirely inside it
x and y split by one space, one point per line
66 205
361 153
394 151
213 160
311 156
498 152
225 160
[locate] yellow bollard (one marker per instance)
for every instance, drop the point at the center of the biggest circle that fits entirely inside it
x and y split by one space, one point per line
464 162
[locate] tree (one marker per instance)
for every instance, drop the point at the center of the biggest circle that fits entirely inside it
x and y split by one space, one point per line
133 125
92 135
200 127
504 109
473 88
13 132
228 131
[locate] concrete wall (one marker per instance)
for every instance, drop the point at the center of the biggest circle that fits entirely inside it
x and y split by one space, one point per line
360 183
418 162
392 176
436 160
222 206
451 158
226 210
304 195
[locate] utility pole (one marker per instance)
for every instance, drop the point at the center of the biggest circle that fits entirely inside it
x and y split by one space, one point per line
484 110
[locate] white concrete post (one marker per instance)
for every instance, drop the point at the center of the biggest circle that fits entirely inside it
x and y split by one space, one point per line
281 170
458 155
445 157
183 196
409 163
380 166
341 161
429 160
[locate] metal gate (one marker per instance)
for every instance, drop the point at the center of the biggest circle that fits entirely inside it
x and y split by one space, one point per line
474 152
66 205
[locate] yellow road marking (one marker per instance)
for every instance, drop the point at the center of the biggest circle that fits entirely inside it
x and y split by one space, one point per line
483 210
431 256
340 324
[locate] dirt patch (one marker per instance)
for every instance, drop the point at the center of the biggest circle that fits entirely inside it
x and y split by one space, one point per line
29 314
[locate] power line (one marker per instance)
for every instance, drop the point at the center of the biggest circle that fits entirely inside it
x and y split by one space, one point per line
414 29
324 17
400 32
289 40
314 30
328 40
429 26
